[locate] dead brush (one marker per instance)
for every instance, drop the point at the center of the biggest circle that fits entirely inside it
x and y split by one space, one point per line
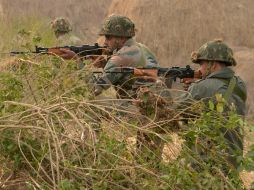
57 146
50 144
55 135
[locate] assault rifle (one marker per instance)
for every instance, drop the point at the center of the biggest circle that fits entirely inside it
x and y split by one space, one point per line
153 73
81 51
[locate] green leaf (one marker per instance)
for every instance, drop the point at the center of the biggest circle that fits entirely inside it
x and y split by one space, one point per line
211 105
219 97
251 128
241 122
145 98
219 107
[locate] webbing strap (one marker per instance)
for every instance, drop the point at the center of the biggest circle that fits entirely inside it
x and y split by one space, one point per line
142 58
230 89
237 90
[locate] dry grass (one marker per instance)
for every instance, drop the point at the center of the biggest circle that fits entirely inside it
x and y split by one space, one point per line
85 16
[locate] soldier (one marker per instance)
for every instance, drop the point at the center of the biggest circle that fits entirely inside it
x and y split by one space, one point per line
119 32
215 59
62 29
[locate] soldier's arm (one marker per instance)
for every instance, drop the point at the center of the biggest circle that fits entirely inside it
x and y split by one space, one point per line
109 77
192 100
67 54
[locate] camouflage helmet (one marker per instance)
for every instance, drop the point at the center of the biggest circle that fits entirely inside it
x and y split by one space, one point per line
61 25
214 51
117 25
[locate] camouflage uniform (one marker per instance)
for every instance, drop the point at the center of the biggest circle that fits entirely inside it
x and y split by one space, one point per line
132 54
217 83
62 29
222 82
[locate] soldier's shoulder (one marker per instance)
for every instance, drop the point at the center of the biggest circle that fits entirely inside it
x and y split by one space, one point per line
75 39
69 39
198 81
240 80
211 83
131 50
241 84
203 88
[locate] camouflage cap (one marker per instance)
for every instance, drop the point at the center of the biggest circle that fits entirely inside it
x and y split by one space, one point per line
214 51
61 25
118 25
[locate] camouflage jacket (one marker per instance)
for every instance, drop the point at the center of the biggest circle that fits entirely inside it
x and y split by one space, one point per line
132 54
217 83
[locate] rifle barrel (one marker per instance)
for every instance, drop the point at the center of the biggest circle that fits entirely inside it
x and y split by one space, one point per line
21 52
174 72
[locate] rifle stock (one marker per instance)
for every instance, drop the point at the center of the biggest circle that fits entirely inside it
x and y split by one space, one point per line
145 72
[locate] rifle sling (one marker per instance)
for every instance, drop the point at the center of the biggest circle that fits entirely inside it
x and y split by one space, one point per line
232 87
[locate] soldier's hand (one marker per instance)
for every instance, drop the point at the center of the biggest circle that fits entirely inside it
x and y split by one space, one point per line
67 54
98 61
187 82
97 90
